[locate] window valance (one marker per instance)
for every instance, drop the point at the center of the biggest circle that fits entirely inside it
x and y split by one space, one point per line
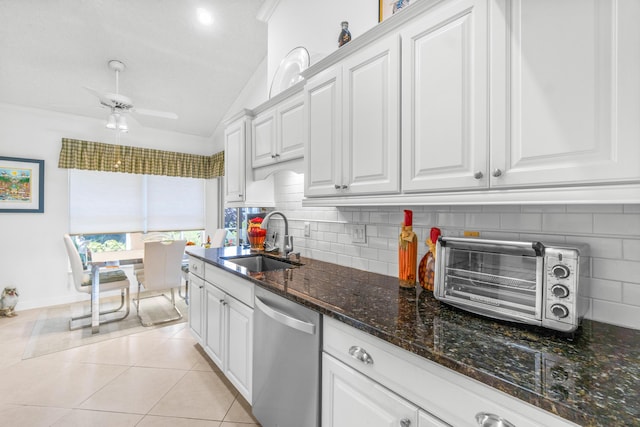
98 156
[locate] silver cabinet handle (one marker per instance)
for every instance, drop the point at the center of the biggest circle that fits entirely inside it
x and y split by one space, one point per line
486 419
496 173
337 186
405 422
360 354
344 187
478 175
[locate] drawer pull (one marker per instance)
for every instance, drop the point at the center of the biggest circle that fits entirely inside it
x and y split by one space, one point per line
361 354
486 419
405 422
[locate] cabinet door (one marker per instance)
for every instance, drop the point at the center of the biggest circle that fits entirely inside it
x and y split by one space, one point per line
371 119
263 134
444 98
352 399
196 290
290 136
239 354
323 163
214 332
234 161
565 92
427 420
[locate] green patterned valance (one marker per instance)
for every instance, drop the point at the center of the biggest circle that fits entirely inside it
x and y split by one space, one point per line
97 156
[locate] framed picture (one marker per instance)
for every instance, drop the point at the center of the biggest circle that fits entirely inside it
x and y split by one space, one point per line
21 185
386 8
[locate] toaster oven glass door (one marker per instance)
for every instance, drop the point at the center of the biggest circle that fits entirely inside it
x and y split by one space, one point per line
503 285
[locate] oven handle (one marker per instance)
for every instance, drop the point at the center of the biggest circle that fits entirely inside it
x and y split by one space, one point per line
536 246
292 322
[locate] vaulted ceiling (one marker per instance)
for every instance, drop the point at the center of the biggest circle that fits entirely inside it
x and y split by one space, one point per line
51 49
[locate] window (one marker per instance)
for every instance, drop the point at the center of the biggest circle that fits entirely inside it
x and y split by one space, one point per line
108 202
235 221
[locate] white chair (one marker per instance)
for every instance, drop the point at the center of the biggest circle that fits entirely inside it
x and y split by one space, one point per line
110 280
162 270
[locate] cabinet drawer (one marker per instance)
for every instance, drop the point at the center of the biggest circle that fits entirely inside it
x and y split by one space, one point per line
240 289
452 397
196 267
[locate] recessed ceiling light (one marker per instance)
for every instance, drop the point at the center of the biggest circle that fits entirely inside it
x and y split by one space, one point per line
204 16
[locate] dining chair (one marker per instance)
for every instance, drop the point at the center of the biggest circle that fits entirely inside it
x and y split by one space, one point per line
110 280
161 271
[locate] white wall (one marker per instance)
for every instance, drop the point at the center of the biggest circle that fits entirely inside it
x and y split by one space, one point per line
315 25
32 255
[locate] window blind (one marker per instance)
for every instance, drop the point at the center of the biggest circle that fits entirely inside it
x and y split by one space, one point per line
110 202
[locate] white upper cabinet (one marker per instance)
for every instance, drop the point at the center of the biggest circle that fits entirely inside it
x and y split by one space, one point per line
445 98
352 124
241 189
234 160
565 92
278 132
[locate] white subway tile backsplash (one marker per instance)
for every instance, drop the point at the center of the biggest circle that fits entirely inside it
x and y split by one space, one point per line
611 231
631 249
485 221
599 247
595 208
450 220
378 242
544 208
379 267
616 314
631 293
519 221
502 208
360 263
622 224
379 217
567 223
606 290
612 269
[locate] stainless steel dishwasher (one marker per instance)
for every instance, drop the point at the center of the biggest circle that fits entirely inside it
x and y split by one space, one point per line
286 362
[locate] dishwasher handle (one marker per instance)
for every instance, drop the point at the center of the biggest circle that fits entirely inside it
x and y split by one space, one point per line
285 319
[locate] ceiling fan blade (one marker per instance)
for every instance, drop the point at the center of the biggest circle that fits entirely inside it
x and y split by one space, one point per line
163 114
103 99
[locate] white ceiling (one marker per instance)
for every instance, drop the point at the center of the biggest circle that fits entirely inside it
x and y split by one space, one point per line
50 49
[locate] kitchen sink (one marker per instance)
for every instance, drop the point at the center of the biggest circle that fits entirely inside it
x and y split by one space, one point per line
260 263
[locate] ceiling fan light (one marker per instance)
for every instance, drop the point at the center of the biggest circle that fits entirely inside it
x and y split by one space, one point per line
122 124
111 121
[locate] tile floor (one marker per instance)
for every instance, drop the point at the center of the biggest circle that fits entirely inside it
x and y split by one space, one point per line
158 377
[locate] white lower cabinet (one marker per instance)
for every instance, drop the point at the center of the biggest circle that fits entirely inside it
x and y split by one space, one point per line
370 382
196 290
214 331
351 399
239 345
221 318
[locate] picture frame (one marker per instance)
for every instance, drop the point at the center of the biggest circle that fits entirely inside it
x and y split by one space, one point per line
386 8
21 185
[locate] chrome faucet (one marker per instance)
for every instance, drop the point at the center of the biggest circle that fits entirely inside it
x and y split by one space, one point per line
287 244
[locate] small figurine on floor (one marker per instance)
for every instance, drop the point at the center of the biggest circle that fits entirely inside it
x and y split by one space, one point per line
8 302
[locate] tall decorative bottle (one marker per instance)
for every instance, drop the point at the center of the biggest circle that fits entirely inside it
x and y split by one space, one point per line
407 252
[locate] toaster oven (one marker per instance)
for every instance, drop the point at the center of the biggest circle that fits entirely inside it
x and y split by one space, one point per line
526 282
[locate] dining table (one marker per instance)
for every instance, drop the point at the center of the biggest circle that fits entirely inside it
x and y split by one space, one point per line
104 259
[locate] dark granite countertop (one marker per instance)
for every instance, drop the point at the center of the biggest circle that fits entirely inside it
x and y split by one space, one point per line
591 377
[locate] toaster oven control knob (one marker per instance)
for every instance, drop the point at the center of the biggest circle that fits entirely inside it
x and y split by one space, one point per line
559 310
560 291
560 271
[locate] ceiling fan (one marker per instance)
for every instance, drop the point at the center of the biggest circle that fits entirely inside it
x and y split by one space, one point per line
120 105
